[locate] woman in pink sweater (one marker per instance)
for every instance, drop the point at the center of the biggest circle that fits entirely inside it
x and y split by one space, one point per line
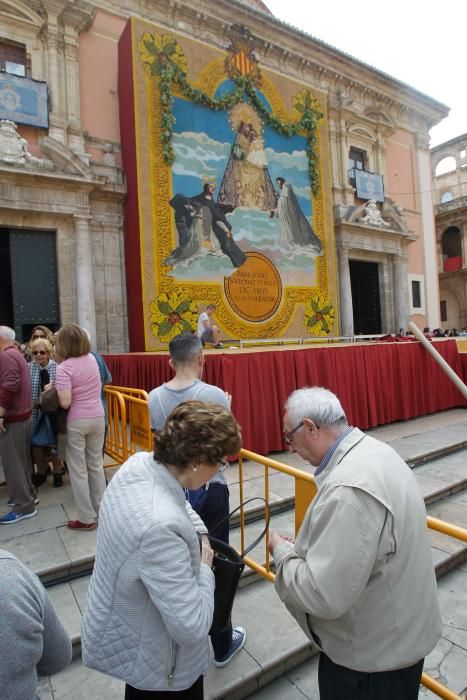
78 386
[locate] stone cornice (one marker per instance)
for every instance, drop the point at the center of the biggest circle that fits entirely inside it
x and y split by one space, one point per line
350 231
51 179
456 208
287 50
22 16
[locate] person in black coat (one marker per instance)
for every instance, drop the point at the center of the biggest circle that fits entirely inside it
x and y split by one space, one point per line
220 226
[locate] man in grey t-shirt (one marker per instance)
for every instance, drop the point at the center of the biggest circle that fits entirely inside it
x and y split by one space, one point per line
212 501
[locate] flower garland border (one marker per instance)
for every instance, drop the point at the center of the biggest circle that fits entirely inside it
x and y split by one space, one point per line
169 75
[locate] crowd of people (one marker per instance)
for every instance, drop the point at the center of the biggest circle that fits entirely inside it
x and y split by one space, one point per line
52 414
359 578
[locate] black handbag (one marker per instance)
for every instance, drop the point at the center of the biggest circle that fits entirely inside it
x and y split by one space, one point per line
227 567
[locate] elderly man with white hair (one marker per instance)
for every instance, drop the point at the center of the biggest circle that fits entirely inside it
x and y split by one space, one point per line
359 579
15 428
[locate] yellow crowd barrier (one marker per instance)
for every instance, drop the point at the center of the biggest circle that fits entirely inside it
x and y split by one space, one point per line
128 430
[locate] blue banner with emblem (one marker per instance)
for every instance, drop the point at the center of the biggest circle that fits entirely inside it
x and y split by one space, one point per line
369 186
24 101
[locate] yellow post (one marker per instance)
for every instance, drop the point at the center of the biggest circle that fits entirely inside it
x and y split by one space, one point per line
305 491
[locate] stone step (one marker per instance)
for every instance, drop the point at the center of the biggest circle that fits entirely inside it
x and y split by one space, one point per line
446 663
69 596
55 553
274 644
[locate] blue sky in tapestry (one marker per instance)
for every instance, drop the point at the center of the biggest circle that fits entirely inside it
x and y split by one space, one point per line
203 142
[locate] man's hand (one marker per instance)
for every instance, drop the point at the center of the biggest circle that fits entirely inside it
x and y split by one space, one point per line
228 397
2 424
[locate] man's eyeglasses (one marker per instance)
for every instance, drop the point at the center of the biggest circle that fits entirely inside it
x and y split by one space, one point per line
288 436
222 466
39 352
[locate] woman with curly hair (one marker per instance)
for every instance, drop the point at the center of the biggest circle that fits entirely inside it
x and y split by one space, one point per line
151 595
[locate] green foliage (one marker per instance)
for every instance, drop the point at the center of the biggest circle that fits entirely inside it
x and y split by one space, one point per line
170 75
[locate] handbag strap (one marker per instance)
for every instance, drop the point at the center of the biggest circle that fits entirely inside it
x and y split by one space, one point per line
242 505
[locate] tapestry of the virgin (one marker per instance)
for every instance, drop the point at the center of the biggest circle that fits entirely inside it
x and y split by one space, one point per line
229 199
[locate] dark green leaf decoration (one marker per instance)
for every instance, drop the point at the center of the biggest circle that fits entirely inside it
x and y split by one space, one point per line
164 307
169 75
183 306
164 328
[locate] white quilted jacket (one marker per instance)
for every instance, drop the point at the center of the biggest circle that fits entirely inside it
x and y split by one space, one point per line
150 600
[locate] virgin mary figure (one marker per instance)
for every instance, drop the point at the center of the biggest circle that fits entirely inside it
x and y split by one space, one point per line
246 181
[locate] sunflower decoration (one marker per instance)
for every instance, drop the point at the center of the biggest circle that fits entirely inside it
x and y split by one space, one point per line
161 53
172 314
319 315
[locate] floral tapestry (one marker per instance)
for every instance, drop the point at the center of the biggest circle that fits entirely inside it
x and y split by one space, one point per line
231 193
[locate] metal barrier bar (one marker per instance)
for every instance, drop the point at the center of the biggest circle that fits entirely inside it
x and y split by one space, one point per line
438 689
305 491
446 528
138 393
140 429
116 442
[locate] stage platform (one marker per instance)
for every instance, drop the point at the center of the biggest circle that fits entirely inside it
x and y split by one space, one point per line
377 383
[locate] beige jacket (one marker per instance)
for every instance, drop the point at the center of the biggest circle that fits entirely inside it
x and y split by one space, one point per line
360 579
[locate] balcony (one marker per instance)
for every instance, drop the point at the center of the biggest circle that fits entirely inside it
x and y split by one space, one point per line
452 264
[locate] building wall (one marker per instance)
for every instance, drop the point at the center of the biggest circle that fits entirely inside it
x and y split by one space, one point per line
98 87
74 48
448 215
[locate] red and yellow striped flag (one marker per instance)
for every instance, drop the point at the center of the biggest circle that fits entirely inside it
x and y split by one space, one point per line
242 63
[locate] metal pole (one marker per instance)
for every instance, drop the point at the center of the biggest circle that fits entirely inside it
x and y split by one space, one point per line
440 360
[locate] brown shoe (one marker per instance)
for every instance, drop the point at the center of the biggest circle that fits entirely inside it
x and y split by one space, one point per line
78 525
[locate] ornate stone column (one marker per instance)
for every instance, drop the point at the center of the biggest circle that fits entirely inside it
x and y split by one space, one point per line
85 302
401 292
379 155
54 78
345 292
54 41
344 158
75 19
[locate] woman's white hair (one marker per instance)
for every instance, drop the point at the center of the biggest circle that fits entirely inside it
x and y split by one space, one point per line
7 333
317 403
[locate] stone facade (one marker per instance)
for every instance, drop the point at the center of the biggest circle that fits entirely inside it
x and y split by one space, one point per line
450 190
80 194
